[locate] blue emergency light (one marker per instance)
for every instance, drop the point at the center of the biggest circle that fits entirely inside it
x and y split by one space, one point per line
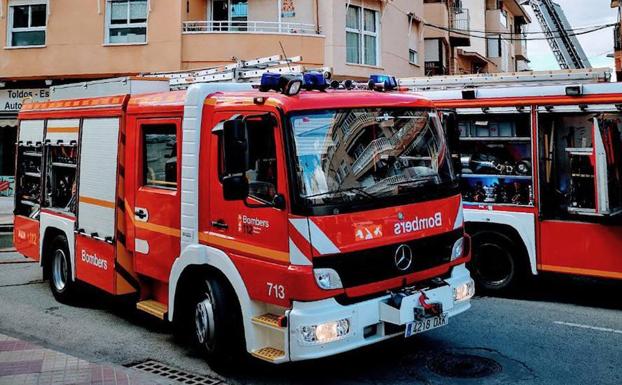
315 81
289 84
382 83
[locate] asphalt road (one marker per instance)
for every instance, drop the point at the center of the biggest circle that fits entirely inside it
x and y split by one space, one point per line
559 331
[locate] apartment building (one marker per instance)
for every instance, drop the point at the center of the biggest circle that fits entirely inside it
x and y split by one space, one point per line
49 42
475 36
617 40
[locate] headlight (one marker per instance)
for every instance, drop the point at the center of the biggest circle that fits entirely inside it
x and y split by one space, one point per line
327 279
325 332
458 250
464 291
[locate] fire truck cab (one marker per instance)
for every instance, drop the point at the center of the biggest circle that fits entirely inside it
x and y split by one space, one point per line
288 226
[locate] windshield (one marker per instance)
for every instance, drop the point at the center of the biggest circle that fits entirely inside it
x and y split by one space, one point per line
368 153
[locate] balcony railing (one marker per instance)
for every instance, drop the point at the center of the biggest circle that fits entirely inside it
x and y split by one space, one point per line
249 27
460 20
617 38
433 68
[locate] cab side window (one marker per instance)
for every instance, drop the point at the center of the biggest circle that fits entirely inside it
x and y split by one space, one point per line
159 142
262 172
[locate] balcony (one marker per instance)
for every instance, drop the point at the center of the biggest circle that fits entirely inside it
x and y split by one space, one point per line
211 43
520 48
617 38
270 27
460 25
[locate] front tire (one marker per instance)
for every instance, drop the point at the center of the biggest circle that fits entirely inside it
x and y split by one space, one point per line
215 320
496 264
59 271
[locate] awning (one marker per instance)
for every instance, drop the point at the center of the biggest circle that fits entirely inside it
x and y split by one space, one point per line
475 56
8 123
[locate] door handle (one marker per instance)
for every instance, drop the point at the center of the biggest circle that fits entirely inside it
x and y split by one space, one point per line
140 213
220 224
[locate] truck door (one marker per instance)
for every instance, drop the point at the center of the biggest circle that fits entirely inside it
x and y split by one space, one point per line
157 197
251 228
580 228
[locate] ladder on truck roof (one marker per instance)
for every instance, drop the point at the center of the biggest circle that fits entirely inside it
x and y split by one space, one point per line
231 77
242 71
508 79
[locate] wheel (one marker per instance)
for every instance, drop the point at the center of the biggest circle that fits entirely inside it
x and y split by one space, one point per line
496 262
214 317
59 271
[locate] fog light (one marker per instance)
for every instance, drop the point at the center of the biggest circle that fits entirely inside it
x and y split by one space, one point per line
325 332
464 291
327 279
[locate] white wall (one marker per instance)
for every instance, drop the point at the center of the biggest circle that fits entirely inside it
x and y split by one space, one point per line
477 13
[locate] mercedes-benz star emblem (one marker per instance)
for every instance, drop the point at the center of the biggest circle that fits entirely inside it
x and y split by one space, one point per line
403 257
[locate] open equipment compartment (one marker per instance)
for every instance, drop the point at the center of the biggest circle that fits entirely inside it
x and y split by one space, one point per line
29 169
61 158
581 161
495 149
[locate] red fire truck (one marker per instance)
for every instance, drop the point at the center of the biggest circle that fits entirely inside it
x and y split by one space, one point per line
541 158
288 225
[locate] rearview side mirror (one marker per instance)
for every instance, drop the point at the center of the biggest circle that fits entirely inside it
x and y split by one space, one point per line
235 187
235 147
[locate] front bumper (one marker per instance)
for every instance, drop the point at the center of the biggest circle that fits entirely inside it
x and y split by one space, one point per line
371 321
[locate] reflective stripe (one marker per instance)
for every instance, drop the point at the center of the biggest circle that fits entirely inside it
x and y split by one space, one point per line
97 202
228 242
296 257
320 241
158 228
302 226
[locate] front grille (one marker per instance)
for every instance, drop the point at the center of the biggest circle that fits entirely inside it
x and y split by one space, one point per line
377 264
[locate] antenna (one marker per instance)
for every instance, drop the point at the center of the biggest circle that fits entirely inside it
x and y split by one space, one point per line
285 55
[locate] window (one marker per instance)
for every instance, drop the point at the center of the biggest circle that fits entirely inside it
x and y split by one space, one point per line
361 36
160 155
126 21
26 25
413 43
229 14
503 17
435 57
413 56
494 45
262 172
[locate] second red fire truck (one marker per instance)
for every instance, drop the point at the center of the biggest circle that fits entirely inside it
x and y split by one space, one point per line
289 225
541 170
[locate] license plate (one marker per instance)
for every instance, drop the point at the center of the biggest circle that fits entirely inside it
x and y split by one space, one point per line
426 324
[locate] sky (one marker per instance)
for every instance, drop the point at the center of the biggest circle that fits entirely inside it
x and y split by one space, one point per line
580 13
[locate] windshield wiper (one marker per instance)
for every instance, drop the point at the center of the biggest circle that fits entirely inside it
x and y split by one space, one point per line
349 189
417 182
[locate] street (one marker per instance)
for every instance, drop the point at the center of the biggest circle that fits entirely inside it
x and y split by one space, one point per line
562 330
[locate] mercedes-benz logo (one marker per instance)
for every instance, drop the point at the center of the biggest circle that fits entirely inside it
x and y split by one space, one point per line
403 257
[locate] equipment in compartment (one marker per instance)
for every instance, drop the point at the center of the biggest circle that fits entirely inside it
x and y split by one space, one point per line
61 177
497 190
487 128
495 152
28 180
581 182
485 163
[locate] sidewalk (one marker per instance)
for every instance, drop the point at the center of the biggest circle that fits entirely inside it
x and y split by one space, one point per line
6 210
23 363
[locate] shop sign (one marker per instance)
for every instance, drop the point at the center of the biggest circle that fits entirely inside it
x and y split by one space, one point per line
11 100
